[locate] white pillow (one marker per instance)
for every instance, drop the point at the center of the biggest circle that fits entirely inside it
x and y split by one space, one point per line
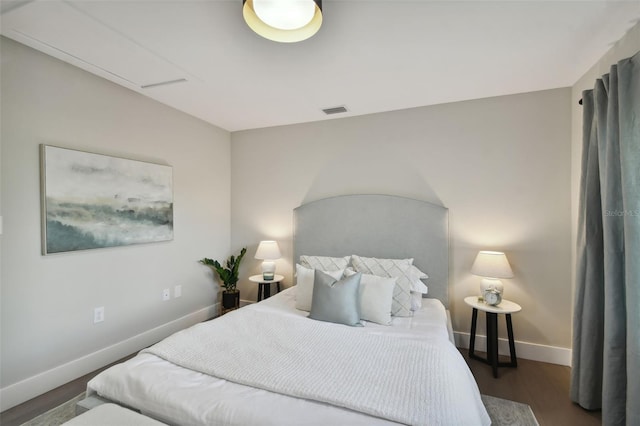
419 287
376 297
399 268
325 263
304 285
416 301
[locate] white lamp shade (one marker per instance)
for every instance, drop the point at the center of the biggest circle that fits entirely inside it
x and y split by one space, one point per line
492 264
268 250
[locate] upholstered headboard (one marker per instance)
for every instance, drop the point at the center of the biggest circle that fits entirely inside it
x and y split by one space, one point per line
381 226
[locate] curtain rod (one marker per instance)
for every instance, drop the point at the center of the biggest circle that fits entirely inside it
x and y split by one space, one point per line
632 56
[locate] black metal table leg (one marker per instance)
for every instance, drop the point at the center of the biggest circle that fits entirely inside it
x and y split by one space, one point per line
492 341
260 290
512 345
267 290
472 337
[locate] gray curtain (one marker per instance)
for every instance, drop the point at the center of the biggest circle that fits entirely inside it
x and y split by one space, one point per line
606 328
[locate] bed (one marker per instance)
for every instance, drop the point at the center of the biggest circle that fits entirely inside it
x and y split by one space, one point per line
269 364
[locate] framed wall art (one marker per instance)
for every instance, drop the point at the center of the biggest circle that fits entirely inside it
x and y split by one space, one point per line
92 201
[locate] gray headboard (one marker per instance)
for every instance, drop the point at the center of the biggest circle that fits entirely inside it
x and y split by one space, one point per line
382 226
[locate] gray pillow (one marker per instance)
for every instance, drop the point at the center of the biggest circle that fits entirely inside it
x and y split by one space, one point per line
334 300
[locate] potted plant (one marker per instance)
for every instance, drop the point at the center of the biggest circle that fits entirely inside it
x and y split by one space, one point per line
229 277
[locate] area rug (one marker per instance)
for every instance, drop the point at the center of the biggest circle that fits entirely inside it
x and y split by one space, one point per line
508 413
502 412
57 416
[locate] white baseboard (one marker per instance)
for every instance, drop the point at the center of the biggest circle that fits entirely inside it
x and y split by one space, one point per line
31 387
524 350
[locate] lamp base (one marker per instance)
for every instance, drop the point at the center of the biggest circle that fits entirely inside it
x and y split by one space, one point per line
489 284
268 270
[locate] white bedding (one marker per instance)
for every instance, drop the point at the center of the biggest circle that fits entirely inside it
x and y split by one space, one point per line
177 395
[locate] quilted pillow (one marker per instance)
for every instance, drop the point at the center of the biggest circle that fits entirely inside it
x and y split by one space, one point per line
304 285
402 269
336 301
325 263
418 288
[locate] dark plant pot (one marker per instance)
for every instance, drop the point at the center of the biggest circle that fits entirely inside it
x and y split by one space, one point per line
231 299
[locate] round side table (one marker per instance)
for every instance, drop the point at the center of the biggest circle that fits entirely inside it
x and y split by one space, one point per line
505 307
264 286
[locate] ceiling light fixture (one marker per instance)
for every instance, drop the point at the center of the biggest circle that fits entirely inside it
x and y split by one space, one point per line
286 21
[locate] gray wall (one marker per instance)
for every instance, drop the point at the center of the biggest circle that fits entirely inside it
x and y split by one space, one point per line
47 301
501 165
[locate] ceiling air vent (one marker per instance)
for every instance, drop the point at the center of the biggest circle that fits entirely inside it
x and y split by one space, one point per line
334 110
163 83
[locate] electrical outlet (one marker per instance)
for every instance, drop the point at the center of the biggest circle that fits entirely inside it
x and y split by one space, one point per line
166 294
177 291
98 314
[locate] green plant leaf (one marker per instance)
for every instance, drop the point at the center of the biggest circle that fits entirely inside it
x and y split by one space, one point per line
228 275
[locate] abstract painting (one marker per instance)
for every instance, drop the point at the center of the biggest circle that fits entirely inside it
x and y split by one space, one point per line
95 201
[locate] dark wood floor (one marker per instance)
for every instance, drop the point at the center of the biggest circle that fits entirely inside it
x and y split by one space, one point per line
43 403
545 387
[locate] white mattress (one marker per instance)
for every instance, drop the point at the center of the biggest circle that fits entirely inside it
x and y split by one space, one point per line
176 395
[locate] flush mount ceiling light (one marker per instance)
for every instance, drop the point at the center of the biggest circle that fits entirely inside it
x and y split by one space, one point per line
286 21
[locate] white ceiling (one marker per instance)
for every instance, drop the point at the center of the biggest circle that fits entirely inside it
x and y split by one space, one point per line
369 55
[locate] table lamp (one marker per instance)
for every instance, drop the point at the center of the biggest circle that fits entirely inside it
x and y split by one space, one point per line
268 251
491 266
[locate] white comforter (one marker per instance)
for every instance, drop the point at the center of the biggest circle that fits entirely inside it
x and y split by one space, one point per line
299 371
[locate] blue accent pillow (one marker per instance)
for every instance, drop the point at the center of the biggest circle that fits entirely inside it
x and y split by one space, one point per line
336 301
